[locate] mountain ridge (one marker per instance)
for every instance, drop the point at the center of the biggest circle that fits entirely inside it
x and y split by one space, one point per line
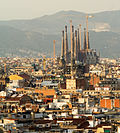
38 34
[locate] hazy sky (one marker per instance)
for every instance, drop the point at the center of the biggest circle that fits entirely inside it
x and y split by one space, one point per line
17 9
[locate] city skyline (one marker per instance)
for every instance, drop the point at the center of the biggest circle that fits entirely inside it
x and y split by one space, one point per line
28 9
59 69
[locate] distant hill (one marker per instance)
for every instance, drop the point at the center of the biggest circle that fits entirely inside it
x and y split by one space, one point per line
35 37
23 43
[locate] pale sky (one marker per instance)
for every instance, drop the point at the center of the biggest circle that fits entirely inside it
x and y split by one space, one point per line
24 9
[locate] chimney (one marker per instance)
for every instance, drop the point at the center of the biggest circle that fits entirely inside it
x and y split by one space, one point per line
62 48
84 43
66 45
75 46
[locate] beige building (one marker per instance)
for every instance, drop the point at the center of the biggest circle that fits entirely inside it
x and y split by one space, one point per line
70 83
76 83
